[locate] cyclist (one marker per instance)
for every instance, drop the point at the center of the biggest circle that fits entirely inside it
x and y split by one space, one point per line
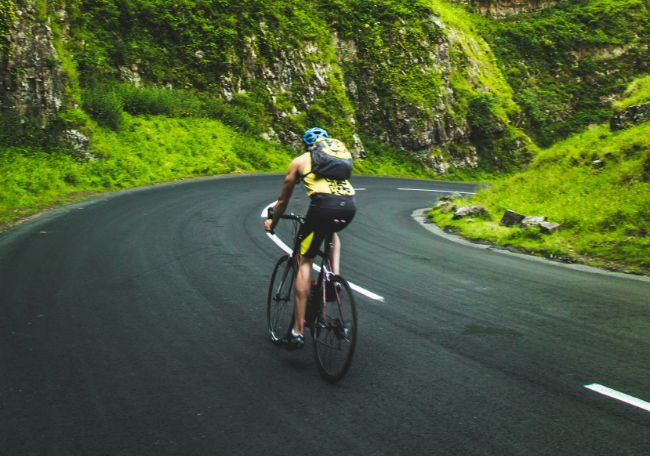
332 208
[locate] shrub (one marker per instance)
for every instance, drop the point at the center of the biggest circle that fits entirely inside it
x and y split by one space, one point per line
104 105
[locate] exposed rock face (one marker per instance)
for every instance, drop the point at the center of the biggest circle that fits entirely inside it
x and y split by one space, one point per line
281 75
425 130
397 122
502 8
374 106
30 73
632 115
365 89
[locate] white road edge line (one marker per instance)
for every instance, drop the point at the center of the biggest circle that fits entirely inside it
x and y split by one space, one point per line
288 250
619 396
430 190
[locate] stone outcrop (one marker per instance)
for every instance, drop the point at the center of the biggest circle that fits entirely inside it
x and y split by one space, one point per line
469 211
379 108
549 227
511 218
444 206
630 116
339 77
503 8
30 72
533 220
374 107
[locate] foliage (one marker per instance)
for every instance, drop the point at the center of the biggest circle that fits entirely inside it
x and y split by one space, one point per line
144 151
18 131
384 160
7 17
393 55
105 106
638 92
208 47
566 62
108 101
595 184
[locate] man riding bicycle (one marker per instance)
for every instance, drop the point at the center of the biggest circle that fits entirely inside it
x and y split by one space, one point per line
331 209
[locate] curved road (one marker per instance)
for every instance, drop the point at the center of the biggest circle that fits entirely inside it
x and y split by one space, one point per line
134 324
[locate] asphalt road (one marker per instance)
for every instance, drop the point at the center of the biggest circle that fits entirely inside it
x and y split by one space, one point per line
135 325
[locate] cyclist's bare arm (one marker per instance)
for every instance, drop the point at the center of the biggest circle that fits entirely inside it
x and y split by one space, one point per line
293 174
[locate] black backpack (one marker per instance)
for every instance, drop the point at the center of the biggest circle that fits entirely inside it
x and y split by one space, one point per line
330 159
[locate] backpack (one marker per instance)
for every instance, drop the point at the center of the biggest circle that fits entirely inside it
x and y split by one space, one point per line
330 159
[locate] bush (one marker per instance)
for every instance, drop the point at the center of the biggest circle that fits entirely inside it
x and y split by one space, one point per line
104 105
28 131
155 101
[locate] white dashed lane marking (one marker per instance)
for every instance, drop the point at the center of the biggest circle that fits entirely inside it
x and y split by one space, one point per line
631 400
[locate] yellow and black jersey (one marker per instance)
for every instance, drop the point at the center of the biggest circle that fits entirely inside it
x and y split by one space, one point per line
315 184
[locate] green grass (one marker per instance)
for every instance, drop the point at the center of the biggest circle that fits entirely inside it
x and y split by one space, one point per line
144 151
383 160
637 93
565 62
604 212
147 150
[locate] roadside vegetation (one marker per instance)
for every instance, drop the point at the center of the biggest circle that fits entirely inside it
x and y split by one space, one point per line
144 150
141 137
544 75
595 184
566 63
148 150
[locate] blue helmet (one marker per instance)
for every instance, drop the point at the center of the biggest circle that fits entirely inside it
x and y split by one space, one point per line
311 135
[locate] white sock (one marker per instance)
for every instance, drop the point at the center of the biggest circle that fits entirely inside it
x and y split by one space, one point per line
294 333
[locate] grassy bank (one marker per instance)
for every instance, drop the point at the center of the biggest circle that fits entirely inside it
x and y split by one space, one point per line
566 63
147 150
595 184
144 151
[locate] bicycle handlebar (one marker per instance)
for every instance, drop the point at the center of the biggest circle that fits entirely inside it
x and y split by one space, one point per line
290 216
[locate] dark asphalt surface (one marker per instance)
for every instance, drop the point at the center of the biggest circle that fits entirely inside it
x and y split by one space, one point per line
135 325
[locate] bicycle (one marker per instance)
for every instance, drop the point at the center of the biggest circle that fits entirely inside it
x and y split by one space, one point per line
331 314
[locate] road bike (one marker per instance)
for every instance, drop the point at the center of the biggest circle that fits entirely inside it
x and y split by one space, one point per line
331 314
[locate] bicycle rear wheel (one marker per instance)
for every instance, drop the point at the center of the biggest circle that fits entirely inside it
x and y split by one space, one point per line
279 305
335 332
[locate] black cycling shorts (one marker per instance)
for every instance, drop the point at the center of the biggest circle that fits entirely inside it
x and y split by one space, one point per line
327 214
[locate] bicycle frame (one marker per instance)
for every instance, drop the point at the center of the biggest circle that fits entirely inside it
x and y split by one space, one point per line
325 273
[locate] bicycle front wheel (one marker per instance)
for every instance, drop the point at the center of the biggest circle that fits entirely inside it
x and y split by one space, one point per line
335 331
279 306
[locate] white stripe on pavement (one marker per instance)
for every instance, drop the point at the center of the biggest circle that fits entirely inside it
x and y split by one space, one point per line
619 396
288 250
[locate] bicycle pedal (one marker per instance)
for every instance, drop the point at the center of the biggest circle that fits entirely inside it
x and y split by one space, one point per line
294 342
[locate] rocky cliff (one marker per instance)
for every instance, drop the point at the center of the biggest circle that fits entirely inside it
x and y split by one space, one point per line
503 8
30 71
401 76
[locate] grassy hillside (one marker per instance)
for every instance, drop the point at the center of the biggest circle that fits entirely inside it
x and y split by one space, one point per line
417 75
146 150
596 184
567 63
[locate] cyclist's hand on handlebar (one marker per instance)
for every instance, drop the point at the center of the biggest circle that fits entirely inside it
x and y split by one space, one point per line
268 225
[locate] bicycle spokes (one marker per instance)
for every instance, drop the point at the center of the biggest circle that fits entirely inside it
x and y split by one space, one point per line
335 332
